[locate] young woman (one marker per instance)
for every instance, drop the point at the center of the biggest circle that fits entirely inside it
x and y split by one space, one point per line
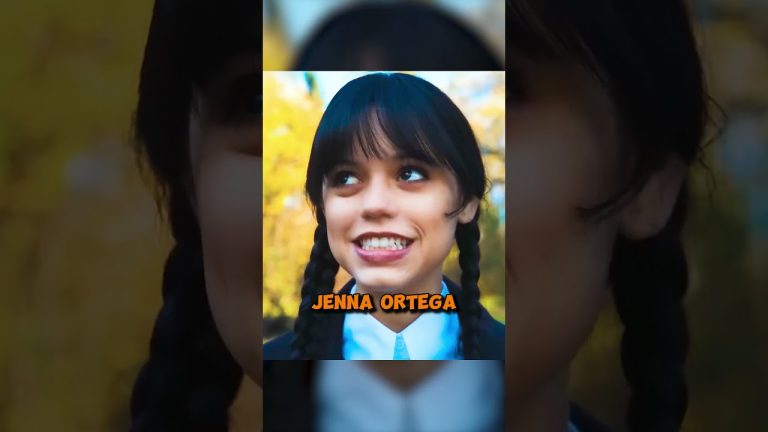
606 113
396 178
198 127
198 130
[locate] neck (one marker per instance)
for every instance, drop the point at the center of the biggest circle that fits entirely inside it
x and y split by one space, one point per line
544 410
397 322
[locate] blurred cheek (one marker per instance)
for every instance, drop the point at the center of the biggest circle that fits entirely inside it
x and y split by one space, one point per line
556 287
557 263
228 187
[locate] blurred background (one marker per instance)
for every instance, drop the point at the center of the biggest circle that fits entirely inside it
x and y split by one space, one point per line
289 23
293 105
726 242
81 247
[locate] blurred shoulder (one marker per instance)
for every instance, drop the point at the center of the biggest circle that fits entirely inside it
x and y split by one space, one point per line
279 348
585 422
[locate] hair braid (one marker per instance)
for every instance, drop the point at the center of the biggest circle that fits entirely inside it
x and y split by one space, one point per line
649 282
319 278
190 378
468 241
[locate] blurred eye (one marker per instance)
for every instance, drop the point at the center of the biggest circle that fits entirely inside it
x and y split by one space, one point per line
235 100
412 174
345 178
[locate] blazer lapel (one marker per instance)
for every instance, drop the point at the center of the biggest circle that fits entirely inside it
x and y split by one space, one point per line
289 403
491 331
335 329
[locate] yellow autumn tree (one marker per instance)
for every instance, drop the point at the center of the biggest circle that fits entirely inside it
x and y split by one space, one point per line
291 115
292 111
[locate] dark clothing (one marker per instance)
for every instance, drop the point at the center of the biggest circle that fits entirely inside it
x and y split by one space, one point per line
491 334
585 422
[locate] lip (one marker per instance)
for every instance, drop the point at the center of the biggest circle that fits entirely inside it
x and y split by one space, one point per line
381 256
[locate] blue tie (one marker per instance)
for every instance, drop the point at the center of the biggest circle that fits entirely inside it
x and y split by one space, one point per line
401 351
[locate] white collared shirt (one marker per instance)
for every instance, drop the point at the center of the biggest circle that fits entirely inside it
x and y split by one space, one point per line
460 396
431 336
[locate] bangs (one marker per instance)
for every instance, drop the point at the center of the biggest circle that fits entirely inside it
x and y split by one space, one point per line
224 52
377 133
388 115
556 33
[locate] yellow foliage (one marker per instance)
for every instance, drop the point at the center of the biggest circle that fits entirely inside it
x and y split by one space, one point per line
291 116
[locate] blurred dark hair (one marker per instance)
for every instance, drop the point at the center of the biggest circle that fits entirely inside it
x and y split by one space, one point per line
401 36
195 50
421 123
644 55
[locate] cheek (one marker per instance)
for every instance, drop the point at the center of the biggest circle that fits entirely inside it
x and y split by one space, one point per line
557 264
429 214
340 215
228 187
556 287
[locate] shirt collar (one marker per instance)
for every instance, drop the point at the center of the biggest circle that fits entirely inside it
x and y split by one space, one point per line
468 395
431 336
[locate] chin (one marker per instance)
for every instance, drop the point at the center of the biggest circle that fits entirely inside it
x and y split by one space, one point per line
380 281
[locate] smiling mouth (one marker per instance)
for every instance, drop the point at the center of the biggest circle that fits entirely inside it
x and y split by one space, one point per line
383 243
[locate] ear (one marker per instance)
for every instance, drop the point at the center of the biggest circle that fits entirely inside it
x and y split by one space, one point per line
469 211
650 209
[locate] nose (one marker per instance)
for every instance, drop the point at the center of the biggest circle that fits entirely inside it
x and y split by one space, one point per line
378 199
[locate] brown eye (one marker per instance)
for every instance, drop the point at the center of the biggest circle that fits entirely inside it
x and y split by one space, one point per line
412 174
344 178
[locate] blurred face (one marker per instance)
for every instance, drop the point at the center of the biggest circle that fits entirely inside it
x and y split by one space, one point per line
388 223
561 155
226 163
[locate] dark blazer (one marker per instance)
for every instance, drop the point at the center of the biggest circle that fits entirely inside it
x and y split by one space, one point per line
289 403
584 422
491 333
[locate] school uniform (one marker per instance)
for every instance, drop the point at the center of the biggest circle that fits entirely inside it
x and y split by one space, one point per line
432 336
332 396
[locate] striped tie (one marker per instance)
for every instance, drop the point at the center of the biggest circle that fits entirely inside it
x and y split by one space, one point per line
401 351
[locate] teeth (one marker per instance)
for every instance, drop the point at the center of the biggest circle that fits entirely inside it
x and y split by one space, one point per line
384 243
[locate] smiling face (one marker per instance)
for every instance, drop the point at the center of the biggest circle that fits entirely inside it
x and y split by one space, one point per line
390 222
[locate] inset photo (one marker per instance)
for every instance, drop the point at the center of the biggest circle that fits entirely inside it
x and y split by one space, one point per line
384 215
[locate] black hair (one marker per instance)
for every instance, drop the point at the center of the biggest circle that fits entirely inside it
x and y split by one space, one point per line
420 122
644 55
190 379
402 36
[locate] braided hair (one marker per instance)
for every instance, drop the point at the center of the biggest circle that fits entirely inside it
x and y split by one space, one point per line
652 275
319 277
190 378
423 124
468 241
644 55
